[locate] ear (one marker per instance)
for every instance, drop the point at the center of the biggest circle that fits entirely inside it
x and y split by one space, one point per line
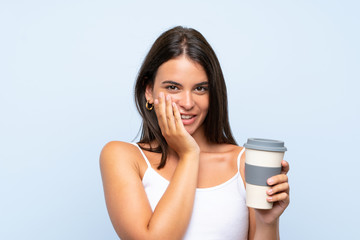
149 94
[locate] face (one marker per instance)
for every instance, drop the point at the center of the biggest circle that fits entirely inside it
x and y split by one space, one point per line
187 83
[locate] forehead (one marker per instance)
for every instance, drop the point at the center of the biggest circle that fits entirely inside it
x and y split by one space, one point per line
181 69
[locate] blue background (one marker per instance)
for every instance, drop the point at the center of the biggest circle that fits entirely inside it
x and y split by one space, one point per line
67 71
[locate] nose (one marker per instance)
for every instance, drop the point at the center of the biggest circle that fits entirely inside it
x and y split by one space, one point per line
185 101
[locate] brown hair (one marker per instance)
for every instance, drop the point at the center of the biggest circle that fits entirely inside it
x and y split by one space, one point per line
171 44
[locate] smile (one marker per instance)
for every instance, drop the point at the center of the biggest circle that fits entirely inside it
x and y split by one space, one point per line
187 116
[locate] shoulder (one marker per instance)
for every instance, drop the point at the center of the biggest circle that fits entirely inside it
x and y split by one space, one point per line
117 148
231 148
231 151
116 153
238 153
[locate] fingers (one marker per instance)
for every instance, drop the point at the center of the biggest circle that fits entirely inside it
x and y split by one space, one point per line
277 179
280 188
283 196
282 177
285 167
160 112
279 192
177 116
168 114
283 187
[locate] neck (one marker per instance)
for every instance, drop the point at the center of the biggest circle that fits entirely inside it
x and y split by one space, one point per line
201 140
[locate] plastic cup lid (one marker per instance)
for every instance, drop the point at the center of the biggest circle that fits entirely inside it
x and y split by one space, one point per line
265 145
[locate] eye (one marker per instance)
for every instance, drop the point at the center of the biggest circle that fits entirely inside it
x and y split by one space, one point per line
201 89
172 87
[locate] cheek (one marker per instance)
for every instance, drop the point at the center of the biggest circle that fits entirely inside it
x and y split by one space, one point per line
205 104
206 111
175 98
155 94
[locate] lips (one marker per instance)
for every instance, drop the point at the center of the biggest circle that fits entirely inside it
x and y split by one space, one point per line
187 119
187 116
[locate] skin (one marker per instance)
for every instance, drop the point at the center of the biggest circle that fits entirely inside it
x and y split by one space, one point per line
180 88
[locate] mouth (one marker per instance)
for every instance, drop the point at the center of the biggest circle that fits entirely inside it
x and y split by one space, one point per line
187 117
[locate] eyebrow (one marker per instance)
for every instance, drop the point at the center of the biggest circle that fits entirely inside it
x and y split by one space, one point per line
178 84
171 82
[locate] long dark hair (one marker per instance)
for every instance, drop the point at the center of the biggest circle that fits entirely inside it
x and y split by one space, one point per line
171 44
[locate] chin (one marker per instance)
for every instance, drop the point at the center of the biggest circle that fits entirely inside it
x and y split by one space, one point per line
190 130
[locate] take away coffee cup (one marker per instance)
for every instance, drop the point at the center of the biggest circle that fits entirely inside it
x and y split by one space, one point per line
263 160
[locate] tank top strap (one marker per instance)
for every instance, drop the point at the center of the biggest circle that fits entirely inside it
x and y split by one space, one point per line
239 157
142 153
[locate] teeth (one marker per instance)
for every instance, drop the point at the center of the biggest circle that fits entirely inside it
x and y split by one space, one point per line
186 116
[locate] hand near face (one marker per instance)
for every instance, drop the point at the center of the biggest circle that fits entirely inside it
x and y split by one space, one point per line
172 128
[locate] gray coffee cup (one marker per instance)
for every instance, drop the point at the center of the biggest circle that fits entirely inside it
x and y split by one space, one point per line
263 160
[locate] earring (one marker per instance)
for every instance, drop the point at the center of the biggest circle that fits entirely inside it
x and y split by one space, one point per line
149 106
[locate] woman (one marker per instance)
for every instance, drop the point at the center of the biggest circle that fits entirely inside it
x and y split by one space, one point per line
185 178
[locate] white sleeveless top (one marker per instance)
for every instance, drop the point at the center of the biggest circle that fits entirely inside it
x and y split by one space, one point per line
219 212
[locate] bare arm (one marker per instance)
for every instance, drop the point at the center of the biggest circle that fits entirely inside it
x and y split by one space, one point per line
126 200
127 203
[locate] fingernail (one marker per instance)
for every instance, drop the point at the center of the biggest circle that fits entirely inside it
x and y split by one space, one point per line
270 191
269 199
156 101
168 97
270 181
161 94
